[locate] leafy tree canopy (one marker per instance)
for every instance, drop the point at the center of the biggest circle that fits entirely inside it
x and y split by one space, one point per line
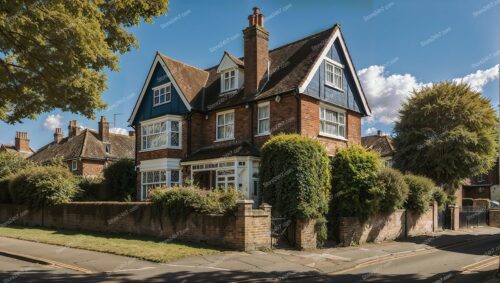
447 132
53 54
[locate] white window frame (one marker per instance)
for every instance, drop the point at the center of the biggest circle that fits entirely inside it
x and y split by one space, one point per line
167 182
168 131
322 120
260 132
74 165
225 138
335 67
167 86
223 80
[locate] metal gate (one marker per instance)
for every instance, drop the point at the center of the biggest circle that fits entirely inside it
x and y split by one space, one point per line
279 231
473 216
444 219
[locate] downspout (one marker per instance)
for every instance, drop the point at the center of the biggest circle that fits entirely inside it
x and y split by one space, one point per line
251 124
298 110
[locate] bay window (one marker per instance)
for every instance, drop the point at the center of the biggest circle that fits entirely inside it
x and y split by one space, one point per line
157 179
161 134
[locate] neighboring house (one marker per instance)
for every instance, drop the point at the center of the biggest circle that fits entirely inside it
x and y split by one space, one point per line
381 143
208 125
85 151
21 145
485 186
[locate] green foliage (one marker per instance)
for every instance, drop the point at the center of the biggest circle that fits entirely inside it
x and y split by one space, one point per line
467 201
89 188
440 197
420 194
120 179
179 202
10 163
43 185
447 132
55 53
295 176
394 188
356 191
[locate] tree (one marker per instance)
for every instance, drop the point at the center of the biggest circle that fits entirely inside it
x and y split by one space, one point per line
120 179
447 132
394 189
53 54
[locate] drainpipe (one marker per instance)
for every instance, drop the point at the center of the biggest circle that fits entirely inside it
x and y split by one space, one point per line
251 106
298 110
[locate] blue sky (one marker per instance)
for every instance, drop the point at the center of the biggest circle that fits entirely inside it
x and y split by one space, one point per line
396 46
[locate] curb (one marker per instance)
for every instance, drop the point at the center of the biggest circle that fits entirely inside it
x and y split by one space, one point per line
43 261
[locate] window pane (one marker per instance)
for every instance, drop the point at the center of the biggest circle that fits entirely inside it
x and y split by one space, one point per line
220 120
229 118
174 126
220 132
174 176
342 131
174 139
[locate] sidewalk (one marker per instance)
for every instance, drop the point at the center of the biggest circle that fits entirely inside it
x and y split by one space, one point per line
241 266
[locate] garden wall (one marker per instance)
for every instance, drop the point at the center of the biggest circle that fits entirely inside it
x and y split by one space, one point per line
248 229
383 227
495 217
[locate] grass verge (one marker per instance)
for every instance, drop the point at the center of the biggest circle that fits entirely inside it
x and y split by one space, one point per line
146 248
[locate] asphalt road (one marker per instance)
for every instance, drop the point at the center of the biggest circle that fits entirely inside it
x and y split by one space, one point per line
474 261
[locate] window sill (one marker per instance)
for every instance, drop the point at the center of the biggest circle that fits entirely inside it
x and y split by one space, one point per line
230 91
333 137
160 148
160 104
263 134
223 140
334 87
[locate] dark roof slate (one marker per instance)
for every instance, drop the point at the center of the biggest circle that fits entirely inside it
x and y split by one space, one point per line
12 149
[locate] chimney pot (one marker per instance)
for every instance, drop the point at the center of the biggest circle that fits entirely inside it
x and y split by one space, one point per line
131 133
380 133
58 135
73 129
22 142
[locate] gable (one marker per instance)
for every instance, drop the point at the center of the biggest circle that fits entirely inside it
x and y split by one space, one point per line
226 63
352 97
144 109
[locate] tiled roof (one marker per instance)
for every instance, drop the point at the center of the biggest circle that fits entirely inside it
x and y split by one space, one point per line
236 60
235 149
12 149
382 144
88 146
289 67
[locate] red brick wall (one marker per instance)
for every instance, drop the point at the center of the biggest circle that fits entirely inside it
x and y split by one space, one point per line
92 167
310 126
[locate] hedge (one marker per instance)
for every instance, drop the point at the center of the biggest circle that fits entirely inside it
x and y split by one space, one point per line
295 178
355 184
440 197
89 188
120 179
10 164
43 185
420 195
394 189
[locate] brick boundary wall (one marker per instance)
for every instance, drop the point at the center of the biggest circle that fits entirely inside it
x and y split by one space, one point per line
248 229
305 234
385 227
495 217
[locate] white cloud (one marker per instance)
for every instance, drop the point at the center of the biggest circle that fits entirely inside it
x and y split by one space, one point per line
370 131
53 121
386 93
119 131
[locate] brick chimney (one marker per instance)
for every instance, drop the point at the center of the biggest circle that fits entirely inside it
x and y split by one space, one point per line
256 41
58 135
22 142
73 129
380 133
131 133
103 129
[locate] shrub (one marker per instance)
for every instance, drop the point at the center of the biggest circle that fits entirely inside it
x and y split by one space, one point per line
420 195
120 179
467 202
440 197
295 177
89 188
179 202
356 191
43 185
394 189
10 164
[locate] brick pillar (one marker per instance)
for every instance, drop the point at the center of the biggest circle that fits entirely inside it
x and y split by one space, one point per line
435 213
455 217
305 234
253 227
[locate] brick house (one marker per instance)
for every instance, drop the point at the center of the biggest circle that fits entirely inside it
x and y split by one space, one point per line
382 144
485 186
87 152
21 145
208 125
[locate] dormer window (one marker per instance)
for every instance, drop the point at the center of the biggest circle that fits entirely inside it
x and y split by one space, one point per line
107 147
228 80
162 94
334 74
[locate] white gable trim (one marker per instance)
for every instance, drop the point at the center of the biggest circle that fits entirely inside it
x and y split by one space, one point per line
317 64
226 63
146 83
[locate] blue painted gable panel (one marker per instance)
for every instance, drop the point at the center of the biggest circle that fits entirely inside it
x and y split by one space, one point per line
147 110
349 98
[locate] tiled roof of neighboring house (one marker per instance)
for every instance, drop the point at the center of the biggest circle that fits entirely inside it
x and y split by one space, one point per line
382 144
236 60
88 146
235 149
12 149
290 64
